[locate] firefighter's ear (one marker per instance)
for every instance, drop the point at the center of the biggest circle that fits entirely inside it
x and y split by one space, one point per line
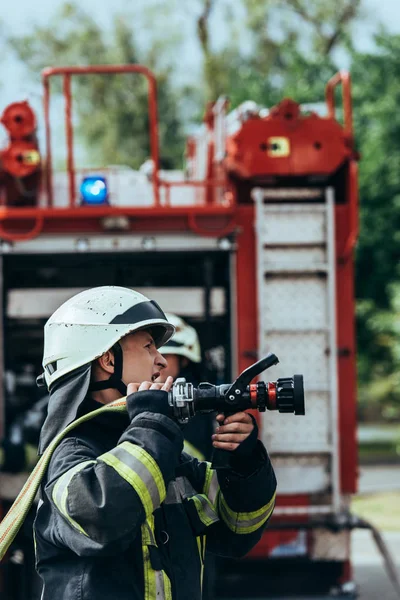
106 362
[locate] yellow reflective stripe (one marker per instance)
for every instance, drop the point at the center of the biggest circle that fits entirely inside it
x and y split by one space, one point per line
211 485
192 450
1 457
245 522
150 464
133 479
60 493
157 585
207 481
141 471
167 586
149 580
205 509
13 520
201 546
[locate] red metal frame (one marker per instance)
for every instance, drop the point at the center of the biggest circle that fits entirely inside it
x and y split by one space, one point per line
346 220
49 218
344 78
66 72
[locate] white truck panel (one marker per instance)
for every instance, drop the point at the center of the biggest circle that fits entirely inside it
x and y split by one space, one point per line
297 321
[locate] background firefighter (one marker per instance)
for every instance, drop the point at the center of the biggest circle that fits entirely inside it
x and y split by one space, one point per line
183 354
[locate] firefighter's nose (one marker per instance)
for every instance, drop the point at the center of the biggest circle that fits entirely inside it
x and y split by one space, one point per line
161 361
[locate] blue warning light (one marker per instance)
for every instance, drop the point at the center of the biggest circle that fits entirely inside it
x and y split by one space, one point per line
94 190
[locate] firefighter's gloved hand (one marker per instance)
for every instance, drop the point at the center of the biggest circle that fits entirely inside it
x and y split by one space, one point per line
153 401
138 400
150 403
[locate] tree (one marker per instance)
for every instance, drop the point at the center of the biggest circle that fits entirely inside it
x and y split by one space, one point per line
285 46
113 110
376 100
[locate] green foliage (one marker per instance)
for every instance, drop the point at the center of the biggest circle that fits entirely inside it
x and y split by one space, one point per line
113 110
376 99
287 48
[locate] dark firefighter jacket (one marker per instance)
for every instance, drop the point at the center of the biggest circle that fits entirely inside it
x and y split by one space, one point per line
125 514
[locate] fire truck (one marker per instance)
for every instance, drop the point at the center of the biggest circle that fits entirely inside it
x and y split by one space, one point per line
252 243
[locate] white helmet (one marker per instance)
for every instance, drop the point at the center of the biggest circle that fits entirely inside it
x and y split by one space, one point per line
185 341
92 322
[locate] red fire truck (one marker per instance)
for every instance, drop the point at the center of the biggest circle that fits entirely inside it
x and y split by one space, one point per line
253 244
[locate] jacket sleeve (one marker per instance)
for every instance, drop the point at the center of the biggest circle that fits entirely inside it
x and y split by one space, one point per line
244 499
100 502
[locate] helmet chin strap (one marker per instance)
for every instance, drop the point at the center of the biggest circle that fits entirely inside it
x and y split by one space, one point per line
115 380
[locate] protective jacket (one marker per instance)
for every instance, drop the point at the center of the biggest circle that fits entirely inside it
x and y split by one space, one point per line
125 514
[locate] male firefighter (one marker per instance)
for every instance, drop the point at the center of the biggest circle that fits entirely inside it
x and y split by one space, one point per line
124 513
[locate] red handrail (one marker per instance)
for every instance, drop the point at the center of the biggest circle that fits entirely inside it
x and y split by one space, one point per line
342 77
66 72
23 236
352 191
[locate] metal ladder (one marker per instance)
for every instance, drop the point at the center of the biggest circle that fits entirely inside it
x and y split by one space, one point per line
295 241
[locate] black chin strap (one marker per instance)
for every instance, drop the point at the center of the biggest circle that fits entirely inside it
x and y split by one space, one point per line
115 380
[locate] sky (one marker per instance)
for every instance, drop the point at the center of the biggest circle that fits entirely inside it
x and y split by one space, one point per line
19 16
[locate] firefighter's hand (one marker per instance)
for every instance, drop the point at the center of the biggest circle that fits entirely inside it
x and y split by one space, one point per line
149 397
148 385
232 431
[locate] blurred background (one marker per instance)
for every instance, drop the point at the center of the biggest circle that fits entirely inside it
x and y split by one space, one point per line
264 51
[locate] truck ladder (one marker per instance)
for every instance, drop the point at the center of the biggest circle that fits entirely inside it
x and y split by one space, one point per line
295 241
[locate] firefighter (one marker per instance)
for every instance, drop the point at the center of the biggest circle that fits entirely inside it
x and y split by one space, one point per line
124 513
183 355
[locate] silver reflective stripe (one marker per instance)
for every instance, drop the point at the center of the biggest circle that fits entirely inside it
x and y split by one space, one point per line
211 485
178 490
138 467
160 591
141 471
173 495
185 487
205 510
245 522
181 489
214 487
240 522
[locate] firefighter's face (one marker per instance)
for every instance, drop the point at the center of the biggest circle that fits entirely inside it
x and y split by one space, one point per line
173 368
142 361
